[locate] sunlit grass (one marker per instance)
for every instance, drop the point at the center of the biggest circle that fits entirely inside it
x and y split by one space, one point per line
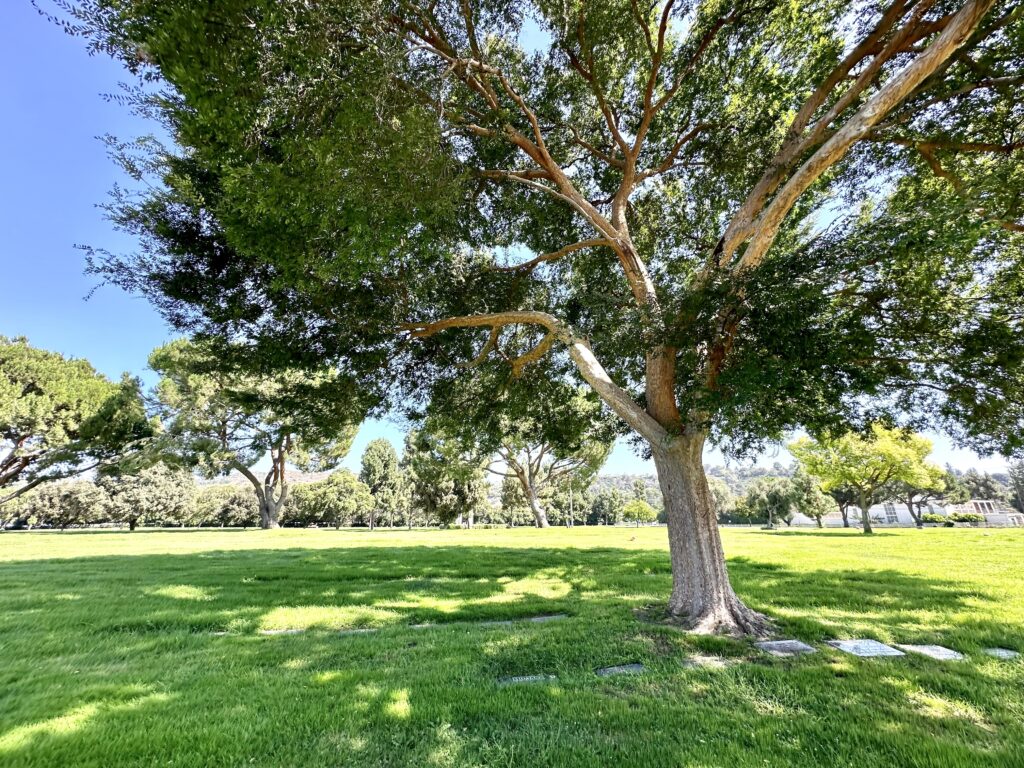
115 654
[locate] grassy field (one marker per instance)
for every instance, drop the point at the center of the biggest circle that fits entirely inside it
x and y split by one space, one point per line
108 657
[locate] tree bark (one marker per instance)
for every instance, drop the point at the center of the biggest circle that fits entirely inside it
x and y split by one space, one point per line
540 514
702 596
845 512
865 516
270 512
914 514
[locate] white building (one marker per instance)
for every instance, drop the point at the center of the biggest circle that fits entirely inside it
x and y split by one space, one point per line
894 514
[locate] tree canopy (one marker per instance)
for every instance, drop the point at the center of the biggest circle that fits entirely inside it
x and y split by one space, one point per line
381 472
219 418
730 219
868 464
60 417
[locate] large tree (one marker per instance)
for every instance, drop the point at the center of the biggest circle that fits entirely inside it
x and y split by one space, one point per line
545 433
221 419
448 485
60 417
867 464
729 217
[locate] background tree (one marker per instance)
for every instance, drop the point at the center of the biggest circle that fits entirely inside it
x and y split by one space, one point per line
844 497
866 464
808 498
546 434
341 497
769 499
64 504
447 485
930 484
514 509
59 417
639 511
221 419
226 505
152 495
982 485
382 473
606 509
1016 472
721 497
667 164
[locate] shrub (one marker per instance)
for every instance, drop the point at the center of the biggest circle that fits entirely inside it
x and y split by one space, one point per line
967 517
933 518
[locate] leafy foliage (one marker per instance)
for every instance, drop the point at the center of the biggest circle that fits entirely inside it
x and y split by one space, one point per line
59 417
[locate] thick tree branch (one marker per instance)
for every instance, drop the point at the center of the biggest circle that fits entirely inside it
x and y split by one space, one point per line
874 110
618 399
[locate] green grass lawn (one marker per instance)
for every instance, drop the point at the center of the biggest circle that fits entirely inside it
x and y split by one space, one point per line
107 656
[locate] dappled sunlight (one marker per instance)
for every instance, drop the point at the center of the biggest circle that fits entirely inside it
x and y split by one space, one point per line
427 689
24 736
327 617
182 592
412 600
933 705
549 587
398 706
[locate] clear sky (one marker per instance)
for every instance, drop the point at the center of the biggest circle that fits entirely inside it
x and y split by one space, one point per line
54 173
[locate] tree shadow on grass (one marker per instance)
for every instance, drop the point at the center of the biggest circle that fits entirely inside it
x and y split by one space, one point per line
110 661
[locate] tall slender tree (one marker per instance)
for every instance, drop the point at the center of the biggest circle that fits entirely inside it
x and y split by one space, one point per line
641 192
381 472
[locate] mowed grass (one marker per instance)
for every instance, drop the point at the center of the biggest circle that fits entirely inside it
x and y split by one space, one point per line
107 656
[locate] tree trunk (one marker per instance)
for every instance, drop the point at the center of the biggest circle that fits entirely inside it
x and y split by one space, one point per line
845 512
270 512
916 515
702 596
865 516
132 522
540 514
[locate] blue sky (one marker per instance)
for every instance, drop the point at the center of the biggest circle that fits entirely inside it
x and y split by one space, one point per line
56 171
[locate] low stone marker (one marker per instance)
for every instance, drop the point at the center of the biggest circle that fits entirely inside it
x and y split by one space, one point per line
516 679
865 648
785 648
281 631
1002 653
495 623
548 617
706 662
621 669
933 651
220 633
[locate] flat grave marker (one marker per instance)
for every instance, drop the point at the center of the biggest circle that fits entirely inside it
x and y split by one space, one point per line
621 669
281 631
865 648
516 679
546 618
706 662
932 651
1002 653
786 648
